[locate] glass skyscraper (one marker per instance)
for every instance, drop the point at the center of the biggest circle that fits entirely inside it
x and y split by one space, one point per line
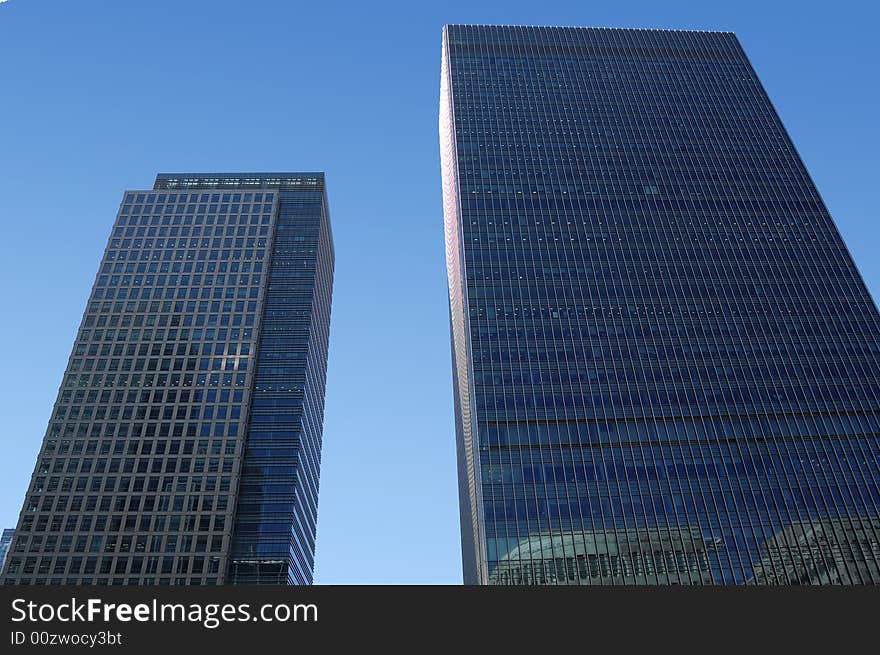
665 361
5 541
185 443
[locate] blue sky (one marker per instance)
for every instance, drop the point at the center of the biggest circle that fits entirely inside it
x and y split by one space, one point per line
98 96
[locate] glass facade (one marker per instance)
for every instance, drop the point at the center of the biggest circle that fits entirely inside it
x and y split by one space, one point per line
665 361
208 321
5 542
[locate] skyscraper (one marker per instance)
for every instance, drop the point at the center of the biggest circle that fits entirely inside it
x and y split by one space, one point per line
5 541
665 361
185 443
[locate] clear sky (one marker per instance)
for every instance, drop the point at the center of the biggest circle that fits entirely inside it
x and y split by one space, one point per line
98 96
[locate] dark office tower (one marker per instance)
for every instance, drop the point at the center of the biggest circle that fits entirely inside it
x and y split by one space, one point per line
666 363
184 447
